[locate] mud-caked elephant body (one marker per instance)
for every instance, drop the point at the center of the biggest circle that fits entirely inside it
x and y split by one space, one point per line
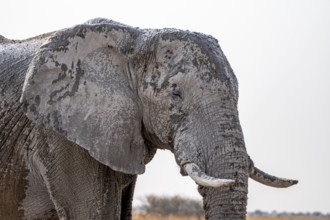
85 108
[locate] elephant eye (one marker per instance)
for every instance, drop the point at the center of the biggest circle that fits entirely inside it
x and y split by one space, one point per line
177 95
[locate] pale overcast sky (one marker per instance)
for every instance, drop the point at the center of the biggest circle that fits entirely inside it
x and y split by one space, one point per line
280 52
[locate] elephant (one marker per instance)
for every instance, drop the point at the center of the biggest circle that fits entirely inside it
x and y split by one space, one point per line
84 109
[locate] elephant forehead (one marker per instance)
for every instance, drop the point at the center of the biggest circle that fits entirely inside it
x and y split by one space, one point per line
196 54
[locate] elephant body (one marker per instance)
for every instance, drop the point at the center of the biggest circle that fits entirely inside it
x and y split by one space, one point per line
85 108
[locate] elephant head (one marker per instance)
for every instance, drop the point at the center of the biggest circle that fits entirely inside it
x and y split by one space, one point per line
120 92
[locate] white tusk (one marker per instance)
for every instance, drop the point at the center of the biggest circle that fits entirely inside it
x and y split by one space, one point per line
270 180
195 172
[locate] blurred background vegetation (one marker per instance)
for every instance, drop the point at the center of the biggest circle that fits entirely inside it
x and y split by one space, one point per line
165 206
155 207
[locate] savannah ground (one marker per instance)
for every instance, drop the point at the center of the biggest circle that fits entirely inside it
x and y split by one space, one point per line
139 216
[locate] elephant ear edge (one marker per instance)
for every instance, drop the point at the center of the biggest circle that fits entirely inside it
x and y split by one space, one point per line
77 85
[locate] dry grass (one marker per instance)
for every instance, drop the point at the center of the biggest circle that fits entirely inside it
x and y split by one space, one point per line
153 217
286 218
139 216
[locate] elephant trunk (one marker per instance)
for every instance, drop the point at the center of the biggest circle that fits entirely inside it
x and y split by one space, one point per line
214 155
228 202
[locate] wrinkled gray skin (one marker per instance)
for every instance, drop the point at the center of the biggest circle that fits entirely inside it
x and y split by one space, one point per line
100 98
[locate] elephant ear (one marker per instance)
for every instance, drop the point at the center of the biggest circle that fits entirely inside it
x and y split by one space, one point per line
79 85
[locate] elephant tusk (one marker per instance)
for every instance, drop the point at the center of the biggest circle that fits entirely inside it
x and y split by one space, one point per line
269 180
195 172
